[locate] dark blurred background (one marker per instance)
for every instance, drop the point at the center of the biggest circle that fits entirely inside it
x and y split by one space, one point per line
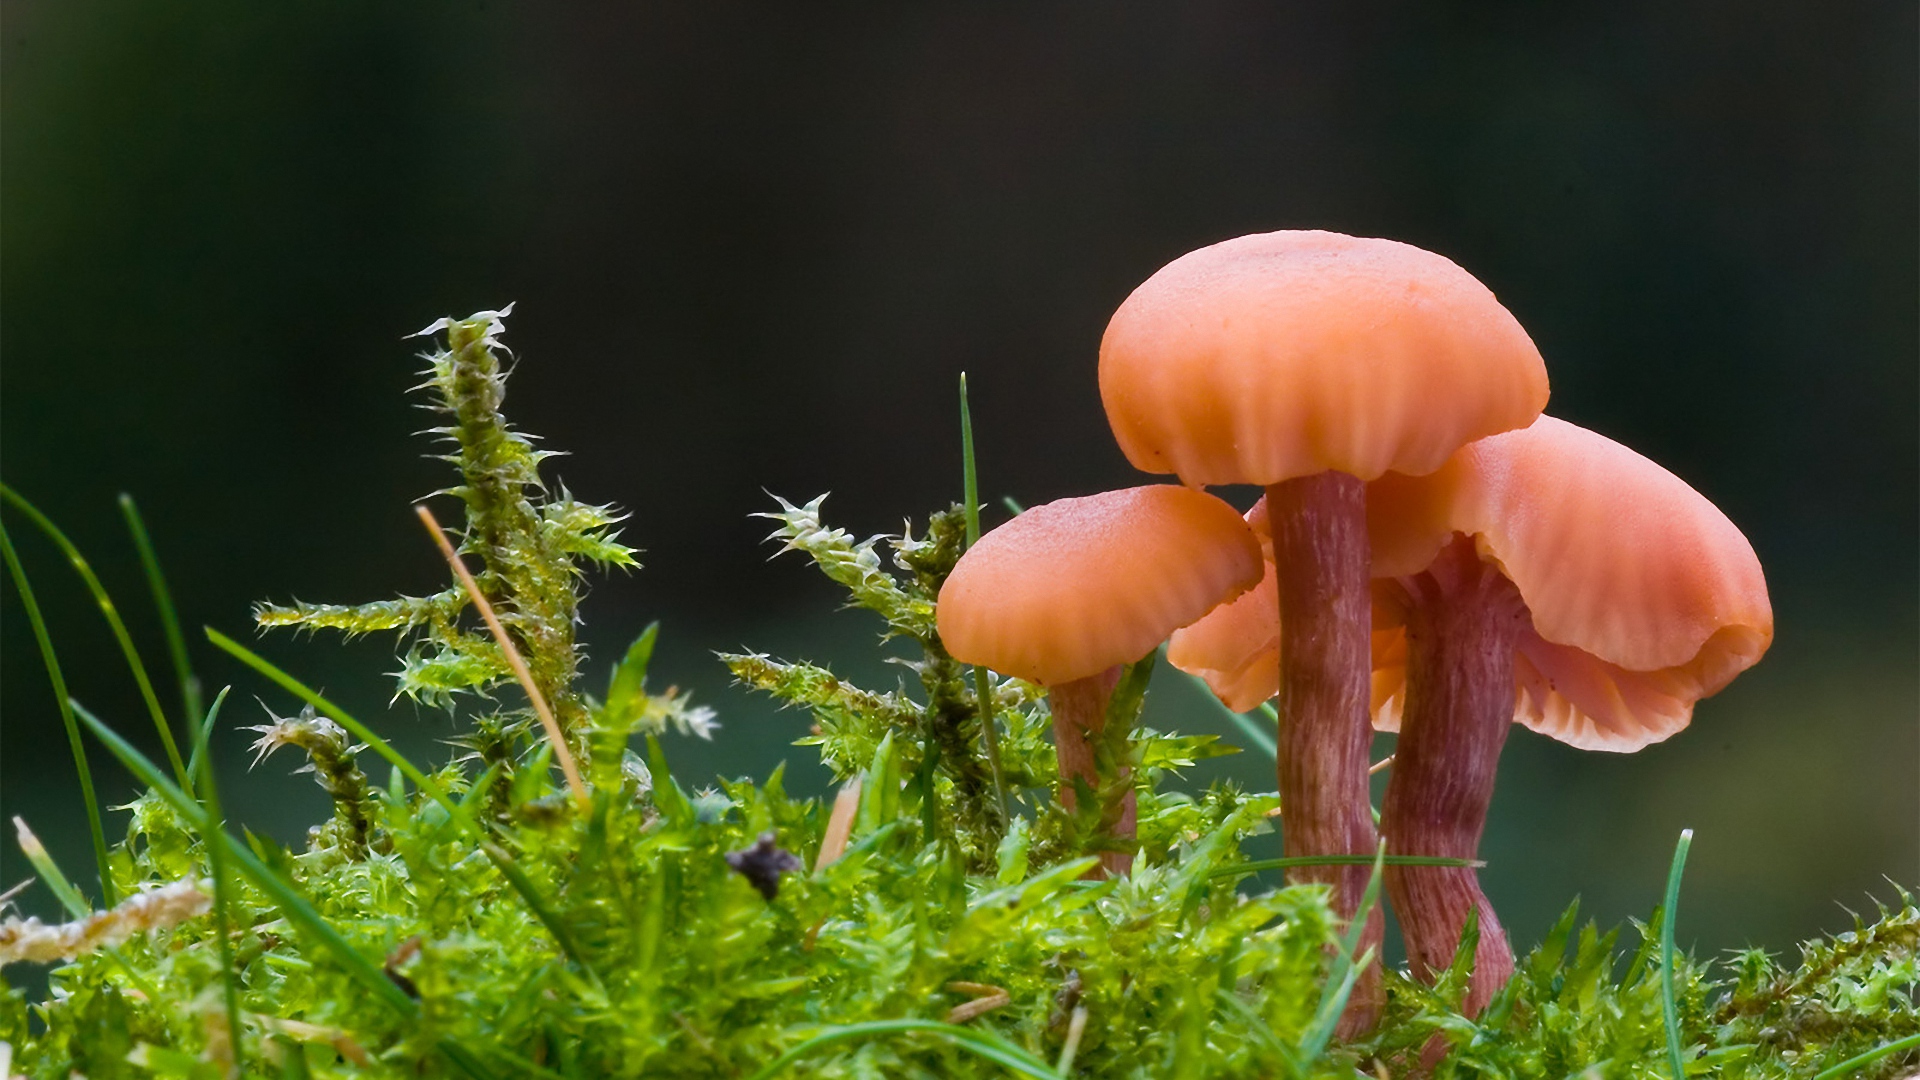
753 245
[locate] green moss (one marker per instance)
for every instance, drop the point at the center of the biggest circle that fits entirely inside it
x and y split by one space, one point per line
475 921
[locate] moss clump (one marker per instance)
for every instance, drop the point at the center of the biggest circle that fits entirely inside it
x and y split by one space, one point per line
472 921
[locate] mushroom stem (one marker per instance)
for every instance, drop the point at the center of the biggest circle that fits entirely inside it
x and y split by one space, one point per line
1322 560
1461 626
1079 712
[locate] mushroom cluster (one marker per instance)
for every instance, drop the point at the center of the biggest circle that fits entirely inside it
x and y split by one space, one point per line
1431 555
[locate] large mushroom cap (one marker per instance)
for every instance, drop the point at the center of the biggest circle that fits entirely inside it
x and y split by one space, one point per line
1644 597
1071 588
1287 354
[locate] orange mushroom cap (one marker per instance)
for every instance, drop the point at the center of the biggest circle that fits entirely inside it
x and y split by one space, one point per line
1071 588
1288 354
1644 597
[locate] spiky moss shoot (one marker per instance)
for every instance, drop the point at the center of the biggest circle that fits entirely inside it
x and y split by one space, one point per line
942 739
330 758
530 541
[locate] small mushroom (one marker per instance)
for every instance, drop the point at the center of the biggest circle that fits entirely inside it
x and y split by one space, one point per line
1554 577
1068 592
1308 363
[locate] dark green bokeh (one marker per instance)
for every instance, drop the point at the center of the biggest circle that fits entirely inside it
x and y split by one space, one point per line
753 245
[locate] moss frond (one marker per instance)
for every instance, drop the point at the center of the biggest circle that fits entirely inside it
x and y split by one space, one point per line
530 541
330 758
853 564
405 613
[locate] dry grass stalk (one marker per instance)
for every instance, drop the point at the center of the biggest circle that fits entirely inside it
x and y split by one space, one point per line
554 735
839 825
987 998
160 908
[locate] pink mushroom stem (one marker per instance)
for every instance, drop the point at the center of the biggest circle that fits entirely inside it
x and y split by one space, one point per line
1461 628
1080 712
1322 559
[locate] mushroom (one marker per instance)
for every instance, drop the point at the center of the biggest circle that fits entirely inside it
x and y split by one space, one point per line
1549 577
1554 577
1308 363
1066 593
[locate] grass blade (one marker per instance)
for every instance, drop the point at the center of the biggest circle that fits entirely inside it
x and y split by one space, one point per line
982 681
292 905
222 889
980 1043
1850 1066
333 712
114 622
1347 967
1669 1009
49 871
163 602
206 730
530 893
52 662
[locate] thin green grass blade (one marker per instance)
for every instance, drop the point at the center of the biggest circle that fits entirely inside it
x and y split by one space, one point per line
49 871
292 905
451 1049
1257 1028
333 712
206 730
982 1044
1013 505
970 479
1344 860
1670 1009
118 627
222 888
163 603
990 736
52 662
1851 1066
522 1065
1347 966
530 893
982 681
1262 739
